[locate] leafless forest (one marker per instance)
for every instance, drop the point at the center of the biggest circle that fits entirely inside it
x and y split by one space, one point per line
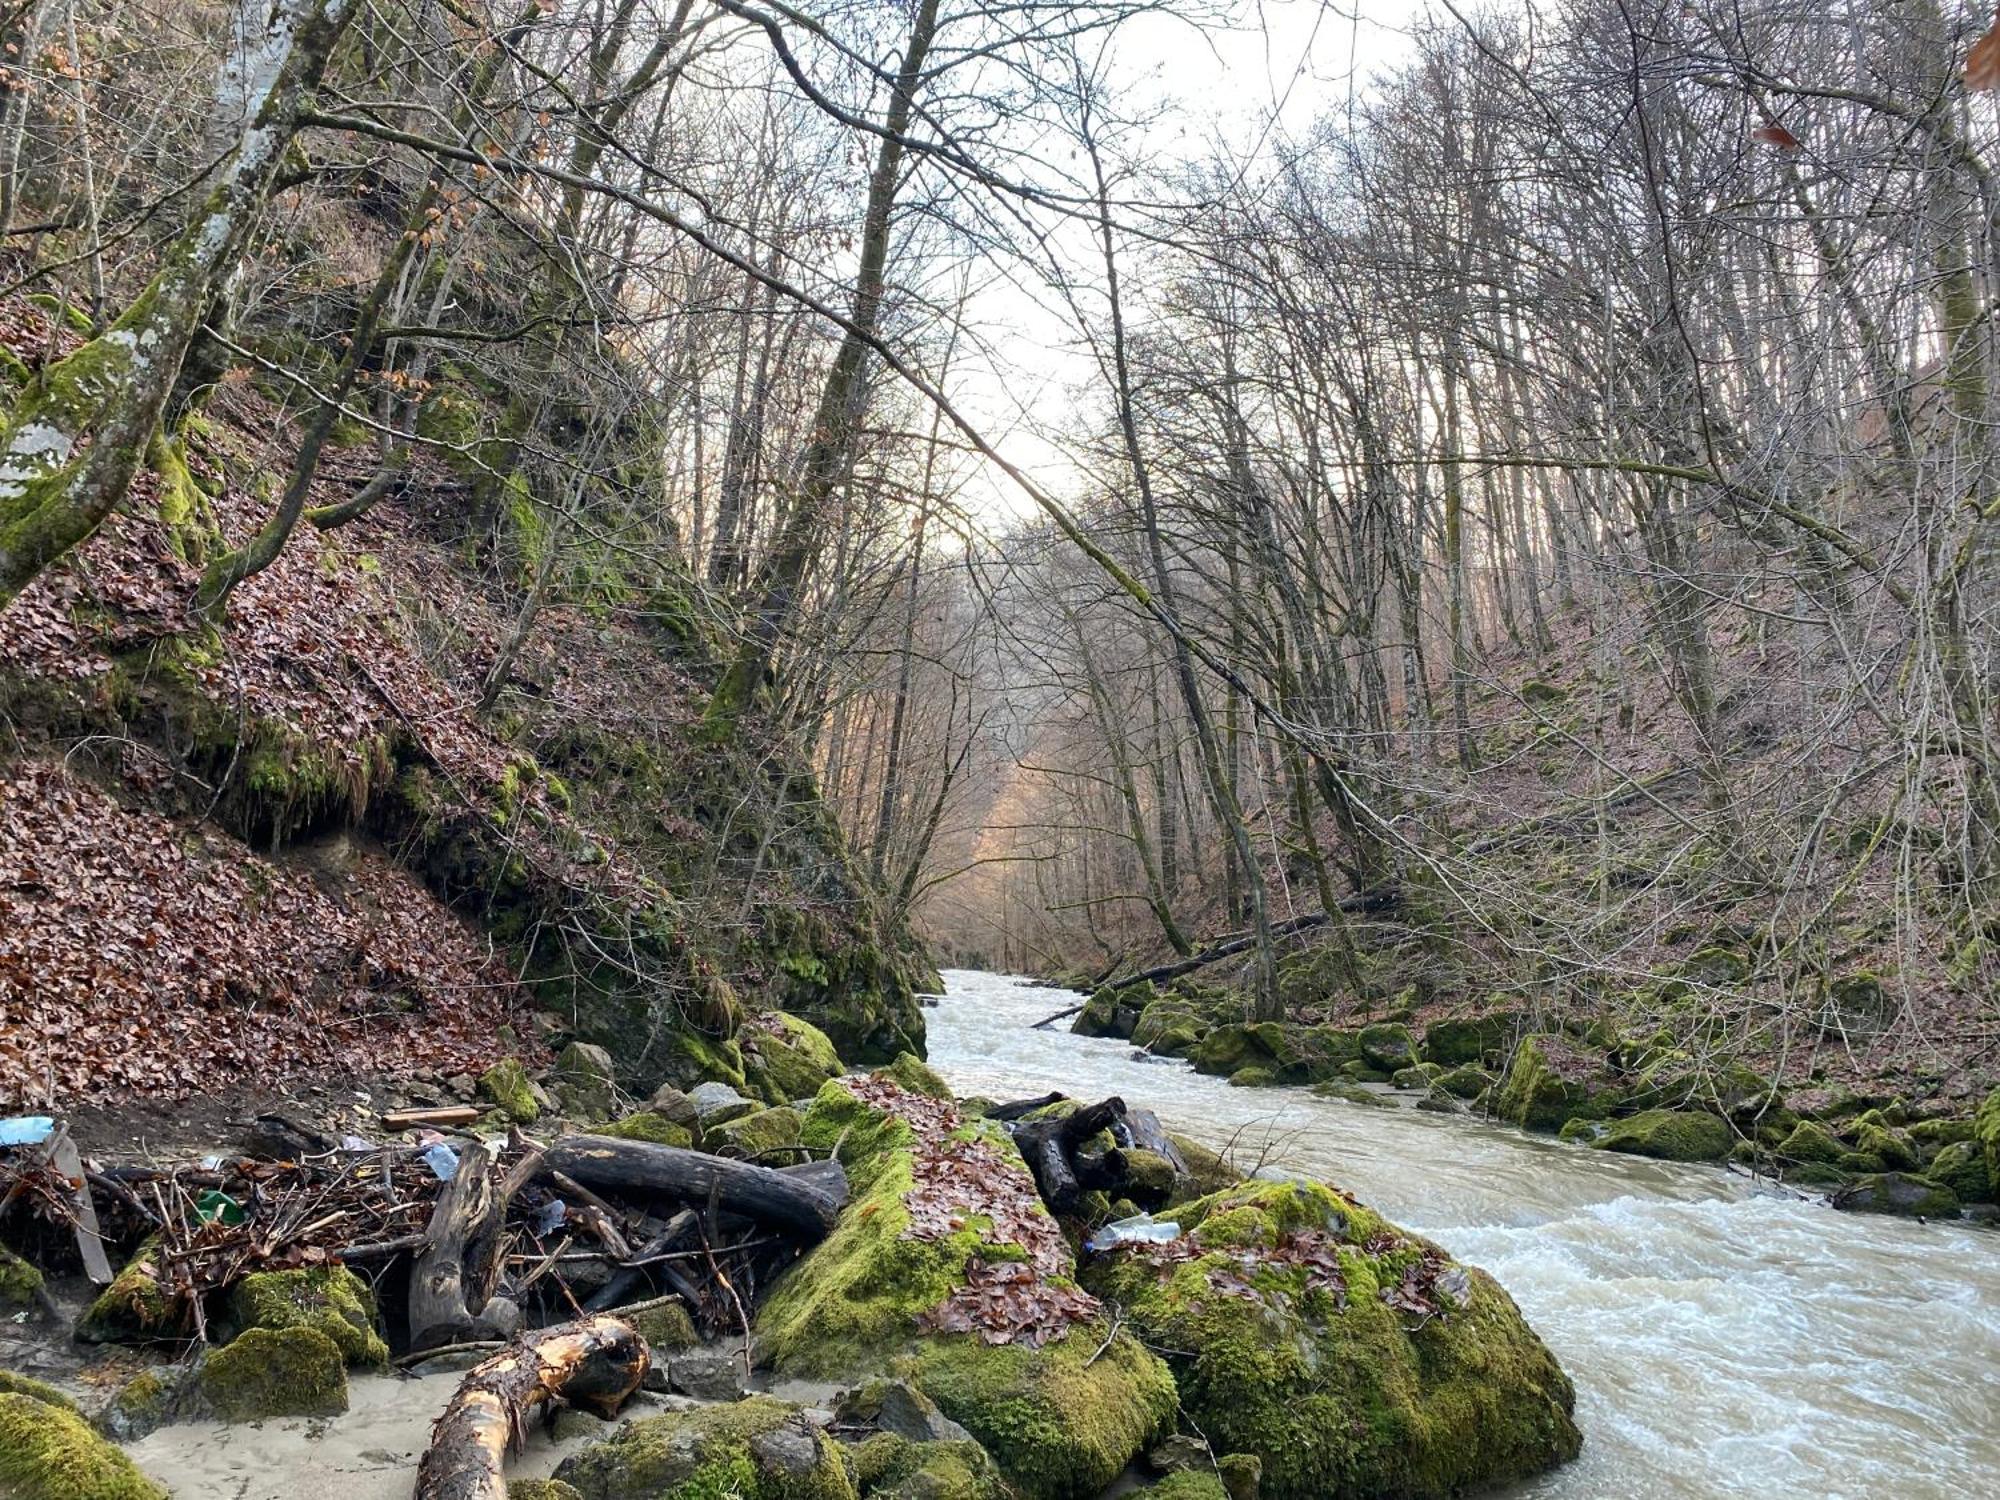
1530 526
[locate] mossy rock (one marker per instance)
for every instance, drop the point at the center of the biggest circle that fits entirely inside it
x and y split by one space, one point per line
1232 1048
1169 1028
1189 1484
1465 1082
1416 1076
1114 1010
1986 1125
542 1489
1353 1093
1902 1193
1961 1167
1456 1040
48 1452
785 1058
1583 1132
20 1283
752 1136
1387 1046
754 1449
1891 1147
1253 1078
651 1126
888 1466
1340 1395
332 1299
1208 1171
1810 1141
506 1085
585 1080
41 1390
1717 965
1944 1131
272 1372
1289 1053
1669 1135
666 1327
141 1405
1548 1082
1061 1420
135 1308
688 1059
916 1075
1358 1071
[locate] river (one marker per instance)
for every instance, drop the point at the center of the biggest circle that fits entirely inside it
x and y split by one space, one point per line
1723 1341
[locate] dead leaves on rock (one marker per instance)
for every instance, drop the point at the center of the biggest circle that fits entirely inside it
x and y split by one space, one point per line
963 1183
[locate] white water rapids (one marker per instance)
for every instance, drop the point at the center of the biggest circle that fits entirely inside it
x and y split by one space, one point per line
1723 1342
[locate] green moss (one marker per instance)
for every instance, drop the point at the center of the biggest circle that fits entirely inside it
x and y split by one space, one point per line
1810 1141
1288 1053
332 1299
1059 1426
1986 1125
916 1075
1466 1082
1058 1422
887 1466
50 1453
269 1372
506 1085
1253 1078
542 1489
1387 1046
1189 1485
786 1058
753 1135
1208 1171
1457 1040
141 1405
1544 1086
40 1390
1169 1027
1343 1397
754 1449
1669 1135
665 1327
20 1283
648 1125
1114 1010
1903 1193
1961 1167
135 1308
693 1057
1890 1147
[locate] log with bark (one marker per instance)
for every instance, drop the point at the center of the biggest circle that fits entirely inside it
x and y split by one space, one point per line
1065 1172
457 1267
594 1363
801 1205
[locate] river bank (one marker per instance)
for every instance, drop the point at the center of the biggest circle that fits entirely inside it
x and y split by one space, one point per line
1725 1341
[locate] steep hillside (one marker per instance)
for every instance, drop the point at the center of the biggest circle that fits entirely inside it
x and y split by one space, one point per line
288 840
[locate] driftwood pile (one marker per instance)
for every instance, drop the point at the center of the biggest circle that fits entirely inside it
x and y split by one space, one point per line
1058 1150
465 1241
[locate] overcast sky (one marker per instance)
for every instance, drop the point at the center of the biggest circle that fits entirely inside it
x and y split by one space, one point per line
1288 63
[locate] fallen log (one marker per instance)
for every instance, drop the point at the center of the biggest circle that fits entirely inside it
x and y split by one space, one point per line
452 1282
1049 1147
440 1119
595 1363
800 1205
1015 1108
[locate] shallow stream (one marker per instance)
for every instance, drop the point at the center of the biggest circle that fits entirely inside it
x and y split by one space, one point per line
1724 1341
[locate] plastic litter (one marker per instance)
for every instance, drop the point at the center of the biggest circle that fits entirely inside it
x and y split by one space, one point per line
550 1216
26 1130
356 1143
443 1161
216 1206
1141 1229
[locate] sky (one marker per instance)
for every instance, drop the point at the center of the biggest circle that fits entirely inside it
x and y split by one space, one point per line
1287 63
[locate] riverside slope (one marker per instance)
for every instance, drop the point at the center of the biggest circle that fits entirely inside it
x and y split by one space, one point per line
1724 1342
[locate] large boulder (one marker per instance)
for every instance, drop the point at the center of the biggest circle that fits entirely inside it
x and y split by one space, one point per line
1289 1053
1903 1193
1670 1135
1549 1082
48 1452
947 1272
1986 1126
1353 1359
1387 1046
785 1058
1456 1040
1113 1010
273 1372
332 1299
754 1449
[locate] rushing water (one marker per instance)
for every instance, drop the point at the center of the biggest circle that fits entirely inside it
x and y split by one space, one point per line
1723 1341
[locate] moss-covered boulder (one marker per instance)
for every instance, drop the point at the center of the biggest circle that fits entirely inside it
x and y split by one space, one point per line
1387 1046
332 1299
1669 1135
765 1133
1113 1010
1169 1027
20 1283
1456 1040
1986 1128
648 1125
507 1087
1465 1082
1353 1359
141 1405
888 1466
688 1059
1288 1053
908 1071
754 1449
1208 1171
1961 1167
275 1372
1549 1081
1810 1142
541 1489
585 1081
947 1272
48 1452
1903 1193
1189 1484
1875 1137
135 1308
785 1058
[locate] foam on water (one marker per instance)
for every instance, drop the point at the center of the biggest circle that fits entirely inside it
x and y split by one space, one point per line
1724 1342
